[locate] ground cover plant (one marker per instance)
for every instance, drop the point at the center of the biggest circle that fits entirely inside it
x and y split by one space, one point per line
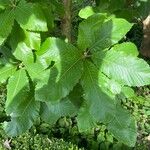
41 135
87 76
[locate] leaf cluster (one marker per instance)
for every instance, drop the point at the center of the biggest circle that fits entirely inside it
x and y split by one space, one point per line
51 78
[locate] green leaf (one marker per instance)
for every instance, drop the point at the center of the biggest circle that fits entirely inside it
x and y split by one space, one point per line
20 104
32 63
48 13
56 82
104 109
31 39
51 112
23 117
17 87
127 48
58 7
6 23
109 86
143 9
98 32
30 16
86 12
23 50
87 28
85 120
128 92
15 39
101 106
4 4
123 127
114 86
116 5
6 71
7 54
76 95
127 69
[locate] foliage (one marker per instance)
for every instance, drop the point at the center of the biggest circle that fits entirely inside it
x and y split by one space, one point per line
128 9
35 142
51 78
3 116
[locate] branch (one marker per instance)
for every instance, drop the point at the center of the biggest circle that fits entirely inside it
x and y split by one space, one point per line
66 21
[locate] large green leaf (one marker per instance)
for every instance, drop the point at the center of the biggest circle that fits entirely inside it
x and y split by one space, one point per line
6 23
104 109
127 69
6 71
59 80
30 16
100 104
86 35
17 88
20 104
97 33
51 112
